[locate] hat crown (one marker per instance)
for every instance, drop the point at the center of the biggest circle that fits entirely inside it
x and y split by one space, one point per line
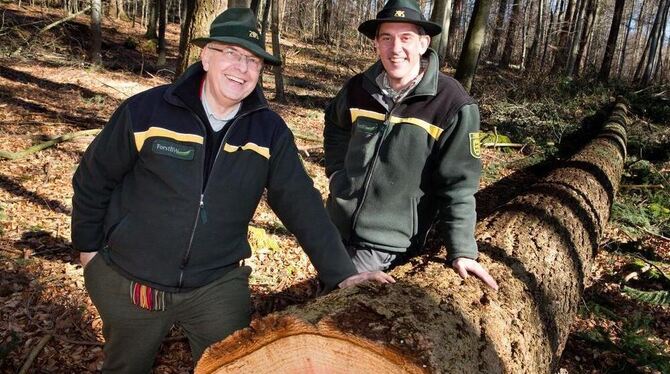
394 5
238 26
407 11
235 17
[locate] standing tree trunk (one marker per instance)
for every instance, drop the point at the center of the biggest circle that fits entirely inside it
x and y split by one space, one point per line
441 15
96 32
611 41
498 30
162 24
552 21
649 54
541 246
152 20
116 9
590 18
454 30
654 37
622 57
279 79
200 15
533 55
560 62
575 38
506 58
326 12
472 46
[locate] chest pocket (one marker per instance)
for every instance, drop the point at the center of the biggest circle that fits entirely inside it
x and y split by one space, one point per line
367 133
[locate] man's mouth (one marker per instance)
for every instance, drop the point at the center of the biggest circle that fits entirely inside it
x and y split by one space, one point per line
235 79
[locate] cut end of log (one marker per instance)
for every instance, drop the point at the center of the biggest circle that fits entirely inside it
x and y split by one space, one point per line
285 344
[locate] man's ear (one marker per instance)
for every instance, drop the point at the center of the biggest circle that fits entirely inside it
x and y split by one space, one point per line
204 58
425 43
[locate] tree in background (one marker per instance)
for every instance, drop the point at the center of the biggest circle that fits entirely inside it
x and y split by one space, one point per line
498 30
96 32
611 41
472 46
442 16
279 79
200 14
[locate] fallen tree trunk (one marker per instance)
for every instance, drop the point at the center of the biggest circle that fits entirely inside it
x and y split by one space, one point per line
539 247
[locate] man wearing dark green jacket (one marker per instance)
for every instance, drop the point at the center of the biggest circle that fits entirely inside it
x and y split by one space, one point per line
402 150
164 195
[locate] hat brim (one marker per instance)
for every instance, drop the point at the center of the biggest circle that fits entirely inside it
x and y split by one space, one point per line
369 27
251 47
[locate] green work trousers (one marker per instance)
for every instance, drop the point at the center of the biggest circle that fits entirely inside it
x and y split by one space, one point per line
133 335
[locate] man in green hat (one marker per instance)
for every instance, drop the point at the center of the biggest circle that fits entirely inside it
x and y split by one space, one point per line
164 195
402 151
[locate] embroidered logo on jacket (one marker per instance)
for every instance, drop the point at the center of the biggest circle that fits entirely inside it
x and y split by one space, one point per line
175 150
475 146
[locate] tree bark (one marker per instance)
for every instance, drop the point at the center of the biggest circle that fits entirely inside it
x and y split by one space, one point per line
162 24
540 245
454 30
654 38
441 15
506 58
622 57
611 41
560 62
152 19
498 30
472 46
96 32
534 55
199 17
279 79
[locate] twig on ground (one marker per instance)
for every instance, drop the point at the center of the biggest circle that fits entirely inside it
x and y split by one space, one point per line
658 268
36 148
653 234
33 354
644 186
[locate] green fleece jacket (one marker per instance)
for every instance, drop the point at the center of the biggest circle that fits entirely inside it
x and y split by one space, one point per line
396 170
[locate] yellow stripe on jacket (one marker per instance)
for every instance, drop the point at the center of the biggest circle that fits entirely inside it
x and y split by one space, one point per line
432 130
263 151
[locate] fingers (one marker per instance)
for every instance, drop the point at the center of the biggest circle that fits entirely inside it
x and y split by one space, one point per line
465 265
382 277
377 276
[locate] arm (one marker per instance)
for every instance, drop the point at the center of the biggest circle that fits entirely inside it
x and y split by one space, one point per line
292 196
456 180
336 132
104 164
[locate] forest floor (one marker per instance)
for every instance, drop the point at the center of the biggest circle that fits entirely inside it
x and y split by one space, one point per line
47 90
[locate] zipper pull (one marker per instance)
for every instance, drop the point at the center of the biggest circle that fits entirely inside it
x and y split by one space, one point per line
203 212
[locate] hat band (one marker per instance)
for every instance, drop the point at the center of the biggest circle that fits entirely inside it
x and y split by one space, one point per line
224 30
399 13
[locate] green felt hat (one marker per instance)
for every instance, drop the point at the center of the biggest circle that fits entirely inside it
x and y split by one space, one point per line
406 11
238 26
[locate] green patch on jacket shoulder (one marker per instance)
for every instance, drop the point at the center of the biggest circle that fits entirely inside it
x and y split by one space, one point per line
475 145
172 149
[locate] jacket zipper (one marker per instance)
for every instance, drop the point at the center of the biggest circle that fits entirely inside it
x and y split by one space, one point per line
368 176
201 213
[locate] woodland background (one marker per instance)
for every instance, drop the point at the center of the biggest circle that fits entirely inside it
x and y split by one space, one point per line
541 70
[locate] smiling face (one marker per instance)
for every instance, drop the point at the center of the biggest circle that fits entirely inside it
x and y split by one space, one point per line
232 74
399 47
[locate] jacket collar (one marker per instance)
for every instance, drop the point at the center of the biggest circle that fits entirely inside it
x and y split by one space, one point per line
426 87
185 92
